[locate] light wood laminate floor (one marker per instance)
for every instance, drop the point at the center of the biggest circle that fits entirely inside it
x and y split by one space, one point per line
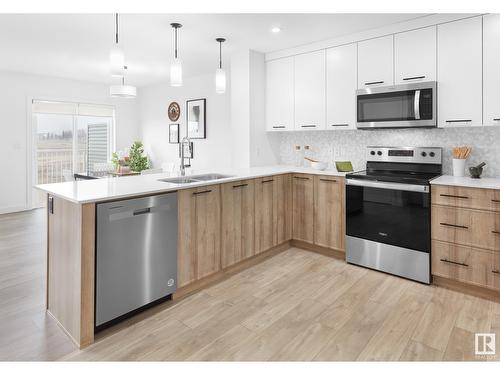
297 305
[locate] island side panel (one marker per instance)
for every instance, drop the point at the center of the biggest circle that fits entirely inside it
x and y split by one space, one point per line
70 269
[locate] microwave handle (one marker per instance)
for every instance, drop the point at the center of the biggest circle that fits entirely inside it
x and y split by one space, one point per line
416 104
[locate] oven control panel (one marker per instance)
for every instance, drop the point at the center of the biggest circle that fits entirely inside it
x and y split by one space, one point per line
427 155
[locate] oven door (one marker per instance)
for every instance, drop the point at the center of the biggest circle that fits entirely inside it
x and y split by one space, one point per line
389 213
397 106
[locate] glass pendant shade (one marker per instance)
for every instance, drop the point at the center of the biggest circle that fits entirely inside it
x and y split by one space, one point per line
176 73
116 61
220 81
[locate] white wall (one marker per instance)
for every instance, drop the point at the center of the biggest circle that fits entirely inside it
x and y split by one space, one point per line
17 89
251 144
153 102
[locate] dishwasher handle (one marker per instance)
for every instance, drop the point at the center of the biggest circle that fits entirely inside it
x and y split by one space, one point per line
142 211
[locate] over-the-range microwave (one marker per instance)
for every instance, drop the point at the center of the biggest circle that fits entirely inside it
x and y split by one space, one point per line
399 106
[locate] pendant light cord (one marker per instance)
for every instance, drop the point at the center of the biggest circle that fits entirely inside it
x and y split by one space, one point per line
220 54
176 42
116 29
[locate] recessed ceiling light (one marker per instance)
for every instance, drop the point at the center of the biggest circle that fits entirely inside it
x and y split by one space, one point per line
275 29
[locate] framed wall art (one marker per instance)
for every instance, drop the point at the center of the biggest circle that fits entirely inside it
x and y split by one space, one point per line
173 133
196 119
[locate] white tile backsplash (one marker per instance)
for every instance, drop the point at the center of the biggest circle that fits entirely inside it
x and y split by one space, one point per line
351 144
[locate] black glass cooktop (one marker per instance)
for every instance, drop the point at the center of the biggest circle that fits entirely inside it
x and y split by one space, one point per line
405 173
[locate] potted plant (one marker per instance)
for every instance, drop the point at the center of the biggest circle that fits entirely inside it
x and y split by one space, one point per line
137 161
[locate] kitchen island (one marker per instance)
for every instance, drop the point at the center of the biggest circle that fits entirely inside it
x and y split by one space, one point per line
224 225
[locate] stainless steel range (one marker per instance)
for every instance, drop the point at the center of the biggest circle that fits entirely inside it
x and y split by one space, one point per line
388 211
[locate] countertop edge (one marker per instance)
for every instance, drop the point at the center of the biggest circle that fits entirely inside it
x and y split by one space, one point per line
468 182
50 188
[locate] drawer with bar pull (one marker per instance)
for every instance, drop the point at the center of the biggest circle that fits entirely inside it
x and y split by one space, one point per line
464 227
466 264
455 196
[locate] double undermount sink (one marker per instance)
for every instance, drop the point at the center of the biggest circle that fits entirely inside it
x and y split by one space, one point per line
195 178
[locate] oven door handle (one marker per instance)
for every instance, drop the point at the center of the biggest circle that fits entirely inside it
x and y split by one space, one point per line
389 185
416 104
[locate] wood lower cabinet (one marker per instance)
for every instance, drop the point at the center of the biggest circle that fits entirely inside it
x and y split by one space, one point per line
466 235
284 207
329 221
462 263
199 240
303 207
273 215
238 218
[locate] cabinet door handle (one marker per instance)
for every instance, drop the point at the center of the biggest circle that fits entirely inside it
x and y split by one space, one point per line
410 78
452 262
454 225
496 272
327 180
495 232
202 192
239 186
454 196
338 125
266 181
308 126
496 119
458 121
278 126
301 178
51 205
373 83
495 200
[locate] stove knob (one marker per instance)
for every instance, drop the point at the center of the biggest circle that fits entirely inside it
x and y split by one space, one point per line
423 153
432 154
379 153
372 152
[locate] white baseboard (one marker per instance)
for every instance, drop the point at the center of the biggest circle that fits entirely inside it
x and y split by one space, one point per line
9 210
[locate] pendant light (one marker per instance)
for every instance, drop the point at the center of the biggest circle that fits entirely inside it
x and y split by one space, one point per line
220 74
175 66
123 90
116 55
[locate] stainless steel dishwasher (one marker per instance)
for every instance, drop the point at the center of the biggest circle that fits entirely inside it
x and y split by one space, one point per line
136 255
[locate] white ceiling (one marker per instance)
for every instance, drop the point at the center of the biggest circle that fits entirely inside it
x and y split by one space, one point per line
77 45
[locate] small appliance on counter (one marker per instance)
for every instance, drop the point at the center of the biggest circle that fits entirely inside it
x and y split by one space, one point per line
388 209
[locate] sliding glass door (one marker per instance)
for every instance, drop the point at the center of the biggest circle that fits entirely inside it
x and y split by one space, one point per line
68 138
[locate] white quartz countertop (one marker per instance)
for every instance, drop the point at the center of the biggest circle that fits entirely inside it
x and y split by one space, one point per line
480 183
104 189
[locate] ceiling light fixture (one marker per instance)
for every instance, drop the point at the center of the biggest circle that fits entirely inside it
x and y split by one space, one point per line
276 29
116 55
123 90
176 66
220 74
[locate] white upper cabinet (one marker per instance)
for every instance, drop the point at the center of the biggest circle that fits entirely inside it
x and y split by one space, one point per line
280 94
491 69
376 62
459 73
310 90
341 84
415 55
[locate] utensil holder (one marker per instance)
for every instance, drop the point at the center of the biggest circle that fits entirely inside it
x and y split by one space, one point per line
459 167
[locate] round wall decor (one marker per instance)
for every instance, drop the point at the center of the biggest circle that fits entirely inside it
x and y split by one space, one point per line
174 111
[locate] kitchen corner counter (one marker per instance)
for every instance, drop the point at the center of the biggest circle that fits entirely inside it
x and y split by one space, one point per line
479 183
105 189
